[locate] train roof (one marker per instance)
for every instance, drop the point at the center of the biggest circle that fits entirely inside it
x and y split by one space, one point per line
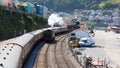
36 32
27 37
7 53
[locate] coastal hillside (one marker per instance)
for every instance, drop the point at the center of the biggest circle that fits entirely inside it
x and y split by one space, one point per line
70 5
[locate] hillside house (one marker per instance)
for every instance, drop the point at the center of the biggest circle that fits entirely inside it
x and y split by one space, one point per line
9 2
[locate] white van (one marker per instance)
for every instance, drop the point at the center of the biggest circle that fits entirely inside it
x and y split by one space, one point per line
86 41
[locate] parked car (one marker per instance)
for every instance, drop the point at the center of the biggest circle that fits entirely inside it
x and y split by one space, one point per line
72 35
86 41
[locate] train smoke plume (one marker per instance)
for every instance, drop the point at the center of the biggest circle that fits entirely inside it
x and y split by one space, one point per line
55 20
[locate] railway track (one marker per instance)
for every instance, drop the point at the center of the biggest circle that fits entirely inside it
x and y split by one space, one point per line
59 56
41 57
54 55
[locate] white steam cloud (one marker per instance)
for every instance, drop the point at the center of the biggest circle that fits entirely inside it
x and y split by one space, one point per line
55 20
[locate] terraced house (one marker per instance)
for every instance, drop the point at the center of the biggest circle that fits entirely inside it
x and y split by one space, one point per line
9 2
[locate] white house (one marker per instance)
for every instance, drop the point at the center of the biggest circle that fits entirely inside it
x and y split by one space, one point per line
2 2
91 18
101 17
45 12
115 14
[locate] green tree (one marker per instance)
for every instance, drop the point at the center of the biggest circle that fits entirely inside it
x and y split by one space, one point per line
92 26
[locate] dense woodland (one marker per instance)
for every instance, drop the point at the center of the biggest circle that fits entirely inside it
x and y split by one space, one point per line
70 5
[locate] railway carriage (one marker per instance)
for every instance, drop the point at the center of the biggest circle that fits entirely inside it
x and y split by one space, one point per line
20 47
14 54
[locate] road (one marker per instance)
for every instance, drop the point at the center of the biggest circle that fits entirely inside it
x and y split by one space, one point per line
107 47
